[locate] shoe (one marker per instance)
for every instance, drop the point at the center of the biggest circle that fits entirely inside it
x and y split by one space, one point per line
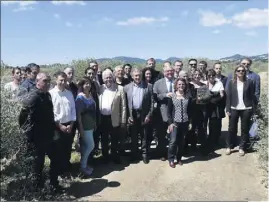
241 152
172 164
86 171
179 162
228 151
145 160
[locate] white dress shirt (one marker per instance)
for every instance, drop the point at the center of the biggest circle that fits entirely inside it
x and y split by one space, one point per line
106 101
63 105
240 92
168 84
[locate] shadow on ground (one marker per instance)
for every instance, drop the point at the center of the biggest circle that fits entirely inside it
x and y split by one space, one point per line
83 189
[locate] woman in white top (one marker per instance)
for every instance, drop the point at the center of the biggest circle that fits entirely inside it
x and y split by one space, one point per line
241 102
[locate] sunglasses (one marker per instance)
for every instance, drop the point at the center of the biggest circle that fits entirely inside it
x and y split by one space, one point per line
240 70
245 63
193 64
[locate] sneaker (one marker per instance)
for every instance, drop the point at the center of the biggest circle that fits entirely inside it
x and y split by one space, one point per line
86 171
228 151
241 152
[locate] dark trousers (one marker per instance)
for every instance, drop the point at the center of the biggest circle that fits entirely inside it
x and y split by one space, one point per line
96 138
245 116
139 128
162 141
198 127
106 130
214 125
73 133
177 141
38 151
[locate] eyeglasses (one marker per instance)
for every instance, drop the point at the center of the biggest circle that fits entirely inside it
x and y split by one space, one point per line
193 64
245 64
240 70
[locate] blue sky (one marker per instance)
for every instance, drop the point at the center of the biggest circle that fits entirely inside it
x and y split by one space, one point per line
48 32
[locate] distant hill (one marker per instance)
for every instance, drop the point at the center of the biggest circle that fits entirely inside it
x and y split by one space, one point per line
238 57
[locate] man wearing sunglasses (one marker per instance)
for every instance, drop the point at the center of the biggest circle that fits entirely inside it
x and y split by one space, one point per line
192 65
246 62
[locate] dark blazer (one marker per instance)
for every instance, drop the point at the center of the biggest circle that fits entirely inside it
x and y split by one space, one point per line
156 75
147 102
249 97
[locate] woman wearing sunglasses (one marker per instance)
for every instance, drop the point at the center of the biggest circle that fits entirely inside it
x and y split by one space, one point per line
241 102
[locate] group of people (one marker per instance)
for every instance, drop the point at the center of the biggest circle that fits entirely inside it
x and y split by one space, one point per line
175 107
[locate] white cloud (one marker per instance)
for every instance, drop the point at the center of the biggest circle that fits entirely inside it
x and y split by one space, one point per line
57 16
251 33
216 31
185 13
81 3
250 18
142 20
68 24
212 19
22 5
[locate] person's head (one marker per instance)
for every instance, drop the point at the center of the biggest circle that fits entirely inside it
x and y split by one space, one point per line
127 69
69 71
99 71
178 65
196 75
180 85
202 66
211 75
16 74
43 81
240 73
136 75
184 75
89 72
35 69
107 77
93 64
60 78
218 68
246 62
151 63
23 74
192 64
109 68
168 70
118 72
84 85
147 74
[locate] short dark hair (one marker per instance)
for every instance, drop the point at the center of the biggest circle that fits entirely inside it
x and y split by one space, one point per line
203 62
210 72
33 65
81 83
87 69
27 70
248 59
14 69
152 59
127 64
178 61
217 63
59 73
192 59
93 61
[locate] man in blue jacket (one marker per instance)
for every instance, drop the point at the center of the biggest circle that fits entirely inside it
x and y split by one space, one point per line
246 62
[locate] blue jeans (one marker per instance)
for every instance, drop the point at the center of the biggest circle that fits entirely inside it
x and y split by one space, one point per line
86 147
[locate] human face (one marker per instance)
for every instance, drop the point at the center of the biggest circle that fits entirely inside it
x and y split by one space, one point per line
108 80
181 86
246 64
240 72
211 78
17 75
202 67
193 64
34 72
119 73
90 73
127 70
168 71
136 75
148 75
178 66
70 74
185 76
196 76
94 66
44 83
151 64
61 82
23 75
218 69
99 71
87 87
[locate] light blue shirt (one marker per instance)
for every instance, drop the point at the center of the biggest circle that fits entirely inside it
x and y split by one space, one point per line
168 83
137 96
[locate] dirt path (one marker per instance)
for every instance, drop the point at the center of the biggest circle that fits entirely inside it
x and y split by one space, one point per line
222 178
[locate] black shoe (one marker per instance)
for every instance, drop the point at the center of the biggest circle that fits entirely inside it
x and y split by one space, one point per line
145 159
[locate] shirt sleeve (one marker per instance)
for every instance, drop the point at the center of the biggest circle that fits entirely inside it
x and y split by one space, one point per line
221 87
79 104
73 107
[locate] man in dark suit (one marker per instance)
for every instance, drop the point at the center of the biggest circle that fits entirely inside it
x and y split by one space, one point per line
140 108
156 75
247 62
162 91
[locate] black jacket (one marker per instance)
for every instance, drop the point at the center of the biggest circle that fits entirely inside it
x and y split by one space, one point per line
248 95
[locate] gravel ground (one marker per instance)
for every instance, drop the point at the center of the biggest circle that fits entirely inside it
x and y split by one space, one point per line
226 178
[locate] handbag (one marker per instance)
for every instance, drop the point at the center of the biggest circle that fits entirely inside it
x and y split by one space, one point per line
253 132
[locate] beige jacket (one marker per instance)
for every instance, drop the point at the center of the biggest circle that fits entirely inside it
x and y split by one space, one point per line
118 108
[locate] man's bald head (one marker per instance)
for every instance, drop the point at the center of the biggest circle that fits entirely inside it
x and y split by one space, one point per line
43 81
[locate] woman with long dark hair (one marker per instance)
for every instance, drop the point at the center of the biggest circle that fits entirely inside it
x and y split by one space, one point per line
86 118
178 120
147 73
241 102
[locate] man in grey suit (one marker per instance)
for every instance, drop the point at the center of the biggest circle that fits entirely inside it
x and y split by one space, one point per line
162 91
140 108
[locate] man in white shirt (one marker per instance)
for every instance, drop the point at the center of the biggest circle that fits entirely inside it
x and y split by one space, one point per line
64 116
13 86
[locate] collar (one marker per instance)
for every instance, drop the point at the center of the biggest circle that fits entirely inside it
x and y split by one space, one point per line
138 85
58 90
167 80
112 88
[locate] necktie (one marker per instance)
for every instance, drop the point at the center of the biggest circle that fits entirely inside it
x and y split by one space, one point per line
170 87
